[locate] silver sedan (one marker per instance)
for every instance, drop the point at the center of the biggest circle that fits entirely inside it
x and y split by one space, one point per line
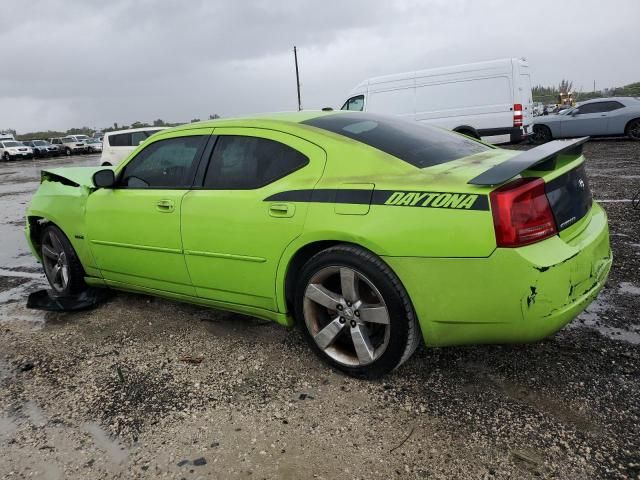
604 117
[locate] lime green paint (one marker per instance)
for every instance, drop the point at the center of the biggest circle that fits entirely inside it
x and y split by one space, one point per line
231 249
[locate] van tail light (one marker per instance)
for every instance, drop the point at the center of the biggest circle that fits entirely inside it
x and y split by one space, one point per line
517 115
521 213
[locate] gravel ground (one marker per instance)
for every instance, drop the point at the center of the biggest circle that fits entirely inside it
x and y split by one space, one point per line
148 388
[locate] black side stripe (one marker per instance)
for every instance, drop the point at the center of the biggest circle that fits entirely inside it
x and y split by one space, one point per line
400 198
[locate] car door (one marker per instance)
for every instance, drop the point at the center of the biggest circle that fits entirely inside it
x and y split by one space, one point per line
233 235
134 228
588 119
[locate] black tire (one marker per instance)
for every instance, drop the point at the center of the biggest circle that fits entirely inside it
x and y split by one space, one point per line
633 129
106 164
469 133
541 134
6 157
67 152
401 332
56 241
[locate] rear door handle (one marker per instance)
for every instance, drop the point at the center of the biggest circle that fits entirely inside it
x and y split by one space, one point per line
165 206
282 210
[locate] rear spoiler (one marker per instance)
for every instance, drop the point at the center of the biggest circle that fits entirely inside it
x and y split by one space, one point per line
542 158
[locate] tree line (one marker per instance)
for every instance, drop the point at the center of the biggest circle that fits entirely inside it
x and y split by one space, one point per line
551 94
46 134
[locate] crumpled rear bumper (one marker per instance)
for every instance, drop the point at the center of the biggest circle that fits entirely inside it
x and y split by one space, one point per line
513 296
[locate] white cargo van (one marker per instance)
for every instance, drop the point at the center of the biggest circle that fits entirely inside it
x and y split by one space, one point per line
118 144
489 100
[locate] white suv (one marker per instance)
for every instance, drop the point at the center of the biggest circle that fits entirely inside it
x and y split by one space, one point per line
117 145
69 145
11 149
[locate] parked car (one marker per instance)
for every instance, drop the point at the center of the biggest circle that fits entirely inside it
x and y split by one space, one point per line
12 149
68 145
368 231
6 136
489 100
117 145
41 148
606 117
93 145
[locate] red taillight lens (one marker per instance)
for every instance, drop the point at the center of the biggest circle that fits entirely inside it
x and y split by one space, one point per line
517 115
521 213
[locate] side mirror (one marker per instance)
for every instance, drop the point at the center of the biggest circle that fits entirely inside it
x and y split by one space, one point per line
104 178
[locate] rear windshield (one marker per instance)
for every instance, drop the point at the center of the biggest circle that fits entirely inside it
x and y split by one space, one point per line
420 145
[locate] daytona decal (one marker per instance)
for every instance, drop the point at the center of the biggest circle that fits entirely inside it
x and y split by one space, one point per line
399 198
433 200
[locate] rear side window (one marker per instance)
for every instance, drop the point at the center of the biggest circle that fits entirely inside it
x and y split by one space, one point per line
245 163
120 140
164 164
420 145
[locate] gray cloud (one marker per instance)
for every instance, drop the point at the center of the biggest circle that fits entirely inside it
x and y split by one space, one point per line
87 62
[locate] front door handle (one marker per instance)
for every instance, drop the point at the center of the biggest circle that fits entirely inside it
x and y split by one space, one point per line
165 206
283 210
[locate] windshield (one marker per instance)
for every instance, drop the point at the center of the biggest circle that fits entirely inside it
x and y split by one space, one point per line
12 144
566 111
420 145
81 137
93 140
39 143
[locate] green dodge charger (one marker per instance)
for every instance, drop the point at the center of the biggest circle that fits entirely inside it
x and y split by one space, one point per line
368 232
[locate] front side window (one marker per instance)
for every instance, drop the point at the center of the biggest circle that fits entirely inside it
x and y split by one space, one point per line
589 108
245 163
137 138
355 104
164 164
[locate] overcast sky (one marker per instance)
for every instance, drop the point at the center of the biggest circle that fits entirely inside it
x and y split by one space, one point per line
69 63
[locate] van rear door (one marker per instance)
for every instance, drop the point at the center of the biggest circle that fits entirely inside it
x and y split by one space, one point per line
523 94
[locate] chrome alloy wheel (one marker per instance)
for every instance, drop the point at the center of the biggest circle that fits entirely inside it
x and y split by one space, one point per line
56 264
346 316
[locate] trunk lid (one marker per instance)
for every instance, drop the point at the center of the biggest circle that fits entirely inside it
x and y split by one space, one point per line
569 196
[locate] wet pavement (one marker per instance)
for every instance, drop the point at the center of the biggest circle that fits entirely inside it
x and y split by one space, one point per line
145 388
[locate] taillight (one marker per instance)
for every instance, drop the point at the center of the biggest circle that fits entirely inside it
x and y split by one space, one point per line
521 213
517 115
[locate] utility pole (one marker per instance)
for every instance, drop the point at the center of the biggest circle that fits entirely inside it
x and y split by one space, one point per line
594 86
295 58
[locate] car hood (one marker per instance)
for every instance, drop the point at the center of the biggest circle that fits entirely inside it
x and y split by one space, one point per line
72 176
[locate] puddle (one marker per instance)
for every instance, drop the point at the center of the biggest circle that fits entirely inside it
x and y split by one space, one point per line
628 287
590 318
7 428
116 452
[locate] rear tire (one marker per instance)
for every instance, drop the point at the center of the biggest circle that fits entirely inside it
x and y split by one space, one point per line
67 152
61 264
541 134
354 312
469 133
6 157
633 129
